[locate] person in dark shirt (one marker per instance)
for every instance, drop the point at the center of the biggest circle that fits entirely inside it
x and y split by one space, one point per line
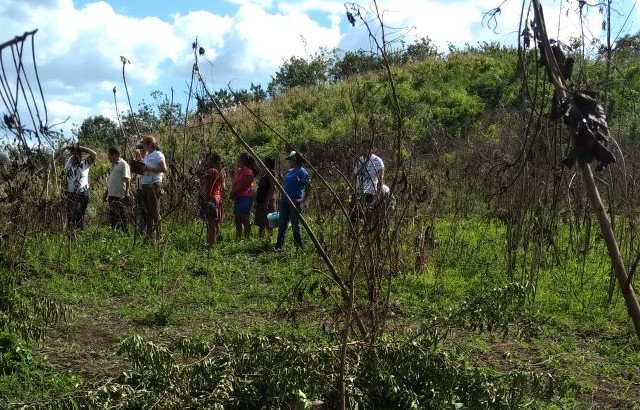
265 199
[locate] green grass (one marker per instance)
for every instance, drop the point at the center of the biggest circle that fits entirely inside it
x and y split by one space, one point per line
26 378
117 288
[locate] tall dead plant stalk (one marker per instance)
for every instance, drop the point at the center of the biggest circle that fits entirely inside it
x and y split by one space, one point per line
592 190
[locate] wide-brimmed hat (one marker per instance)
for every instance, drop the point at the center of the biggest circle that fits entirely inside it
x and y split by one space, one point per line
296 156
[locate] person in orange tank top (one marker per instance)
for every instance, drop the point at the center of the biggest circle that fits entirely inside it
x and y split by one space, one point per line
212 188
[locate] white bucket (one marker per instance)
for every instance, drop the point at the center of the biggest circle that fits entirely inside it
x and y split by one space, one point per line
273 219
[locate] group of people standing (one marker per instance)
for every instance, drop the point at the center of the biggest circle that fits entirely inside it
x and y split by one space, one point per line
118 195
151 165
296 184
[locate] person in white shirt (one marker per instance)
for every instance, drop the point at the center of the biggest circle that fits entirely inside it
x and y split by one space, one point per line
118 192
151 181
76 183
369 178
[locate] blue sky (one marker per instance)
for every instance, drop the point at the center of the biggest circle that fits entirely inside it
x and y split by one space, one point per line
164 9
79 43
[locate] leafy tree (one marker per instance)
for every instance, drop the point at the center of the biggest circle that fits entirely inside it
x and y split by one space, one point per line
299 72
421 49
98 132
168 113
241 96
257 92
227 99
354 63
157 116
140 123
628 46
203 105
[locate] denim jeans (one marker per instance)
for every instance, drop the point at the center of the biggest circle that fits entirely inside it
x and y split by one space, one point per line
288 215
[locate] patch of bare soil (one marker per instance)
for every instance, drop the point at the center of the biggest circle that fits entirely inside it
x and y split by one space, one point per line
607 395
612 389
86 347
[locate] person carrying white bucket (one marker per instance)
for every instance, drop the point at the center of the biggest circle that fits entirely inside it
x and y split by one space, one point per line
296 184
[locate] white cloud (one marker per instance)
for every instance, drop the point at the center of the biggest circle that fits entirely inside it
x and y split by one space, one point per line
108 109
441 23
208 28
268 39
107 85
61 111
84 45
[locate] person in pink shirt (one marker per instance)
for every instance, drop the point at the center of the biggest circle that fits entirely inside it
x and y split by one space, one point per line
242 194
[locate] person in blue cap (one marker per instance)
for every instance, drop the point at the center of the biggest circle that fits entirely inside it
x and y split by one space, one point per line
296 184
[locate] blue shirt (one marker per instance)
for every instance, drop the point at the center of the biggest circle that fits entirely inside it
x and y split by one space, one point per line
294 182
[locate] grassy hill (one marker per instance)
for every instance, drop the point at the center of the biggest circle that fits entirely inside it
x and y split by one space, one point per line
488 286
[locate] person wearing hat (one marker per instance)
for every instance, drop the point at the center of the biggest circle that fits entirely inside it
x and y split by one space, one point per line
151 181
297 185
76 181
